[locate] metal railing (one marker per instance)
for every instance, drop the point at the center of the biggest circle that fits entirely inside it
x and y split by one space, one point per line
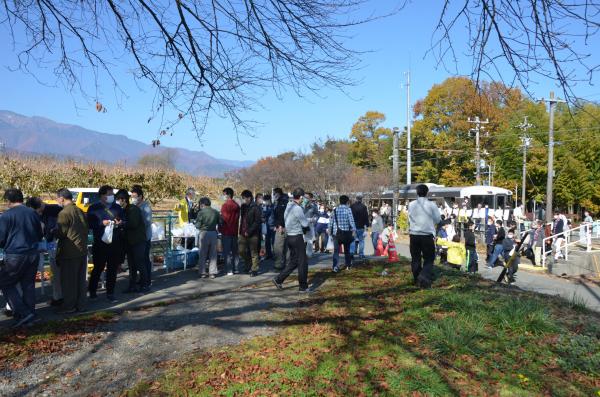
587 232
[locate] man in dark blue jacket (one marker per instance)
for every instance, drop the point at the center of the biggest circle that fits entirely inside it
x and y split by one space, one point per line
20 233
100 215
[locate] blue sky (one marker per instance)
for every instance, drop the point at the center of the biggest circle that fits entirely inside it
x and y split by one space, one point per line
395 44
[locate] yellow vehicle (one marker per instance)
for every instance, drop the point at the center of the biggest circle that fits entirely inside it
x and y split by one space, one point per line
84 197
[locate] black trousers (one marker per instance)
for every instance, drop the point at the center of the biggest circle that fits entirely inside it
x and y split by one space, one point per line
108 256
422 251
297 248
137 264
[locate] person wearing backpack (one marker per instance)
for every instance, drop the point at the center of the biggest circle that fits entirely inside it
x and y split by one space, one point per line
343 231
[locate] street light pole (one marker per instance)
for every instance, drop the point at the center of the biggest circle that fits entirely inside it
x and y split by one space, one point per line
550 180
395 178
526 140
408 136
476 130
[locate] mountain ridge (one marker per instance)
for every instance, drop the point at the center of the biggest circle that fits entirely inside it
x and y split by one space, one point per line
41 135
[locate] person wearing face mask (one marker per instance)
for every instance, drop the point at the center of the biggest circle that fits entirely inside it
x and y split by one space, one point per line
250 223
296 225
321 230
138 199
48 215
280 247
311 211
135 244
497 244
187 210
376 228
490 232
71 252
558 227
20 233
109 256
230 218
267 212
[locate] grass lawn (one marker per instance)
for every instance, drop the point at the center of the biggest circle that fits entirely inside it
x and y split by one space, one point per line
365 334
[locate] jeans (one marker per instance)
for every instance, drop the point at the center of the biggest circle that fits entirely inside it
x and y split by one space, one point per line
72 276
496 252
375 240
336 253
321 241
208 248
56 279
19 269
137 264
109 256
422 252
360 235
280 250
249 252
230 253
297 248
269 242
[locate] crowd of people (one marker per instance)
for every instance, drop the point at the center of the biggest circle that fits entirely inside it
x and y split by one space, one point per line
290 227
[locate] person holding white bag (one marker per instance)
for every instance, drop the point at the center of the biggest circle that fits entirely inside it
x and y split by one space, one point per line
106 219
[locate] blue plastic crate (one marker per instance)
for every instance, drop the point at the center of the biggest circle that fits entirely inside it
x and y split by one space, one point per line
174 260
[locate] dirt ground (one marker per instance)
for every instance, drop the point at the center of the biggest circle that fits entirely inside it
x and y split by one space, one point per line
139 343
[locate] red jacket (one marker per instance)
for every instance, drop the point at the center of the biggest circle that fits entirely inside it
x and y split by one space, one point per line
230 215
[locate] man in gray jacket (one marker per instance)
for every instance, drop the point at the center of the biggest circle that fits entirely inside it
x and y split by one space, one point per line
296 225
423 216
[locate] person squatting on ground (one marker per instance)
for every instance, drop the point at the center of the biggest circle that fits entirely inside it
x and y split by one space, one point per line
106 255
20 233
343 231
296 225
423 216
249 233
71 252
456 254
207 222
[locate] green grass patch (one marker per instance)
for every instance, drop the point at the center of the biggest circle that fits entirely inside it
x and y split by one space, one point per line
363 334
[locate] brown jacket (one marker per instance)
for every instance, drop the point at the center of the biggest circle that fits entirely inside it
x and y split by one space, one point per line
72 233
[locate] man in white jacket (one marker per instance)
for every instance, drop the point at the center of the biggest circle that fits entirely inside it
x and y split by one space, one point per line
423 216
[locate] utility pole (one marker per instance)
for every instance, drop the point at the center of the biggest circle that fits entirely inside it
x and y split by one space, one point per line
550 181
526 142
395 177
408 137
477 130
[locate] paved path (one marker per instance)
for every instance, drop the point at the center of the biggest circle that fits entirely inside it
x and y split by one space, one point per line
587 292
181 285
178 285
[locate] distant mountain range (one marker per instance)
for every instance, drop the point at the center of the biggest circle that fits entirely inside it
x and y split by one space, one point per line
39 135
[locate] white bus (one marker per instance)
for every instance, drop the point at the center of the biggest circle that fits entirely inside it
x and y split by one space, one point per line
496 198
